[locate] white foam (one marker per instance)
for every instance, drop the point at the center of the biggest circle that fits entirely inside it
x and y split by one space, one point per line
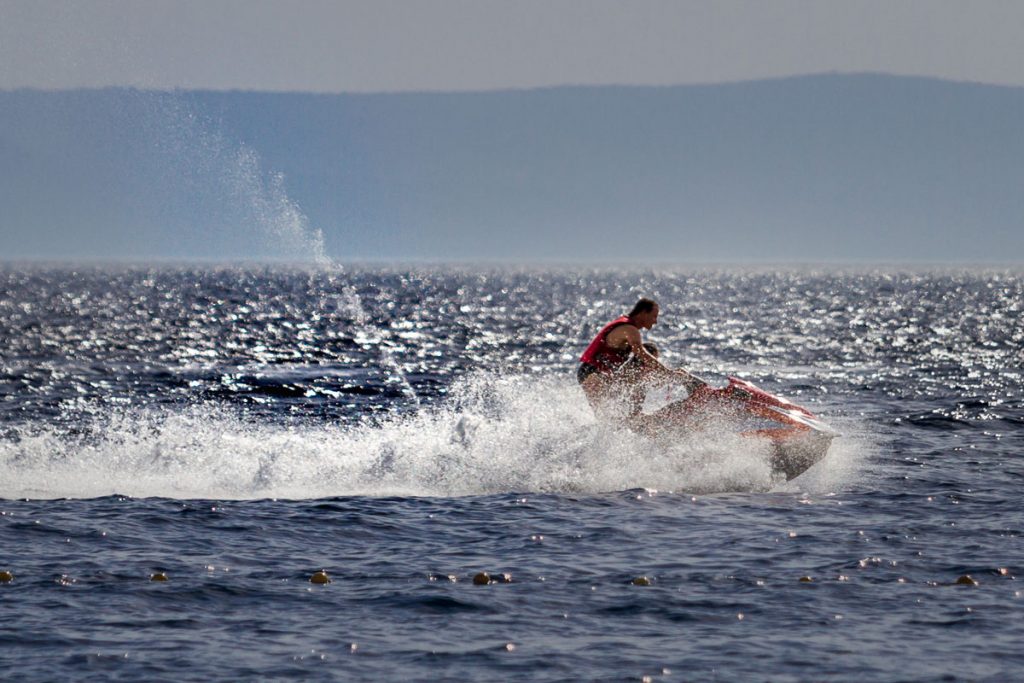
497 434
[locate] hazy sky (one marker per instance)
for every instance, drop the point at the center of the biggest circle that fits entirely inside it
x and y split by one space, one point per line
379 45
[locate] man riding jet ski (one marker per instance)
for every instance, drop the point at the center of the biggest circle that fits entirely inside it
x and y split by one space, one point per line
617 367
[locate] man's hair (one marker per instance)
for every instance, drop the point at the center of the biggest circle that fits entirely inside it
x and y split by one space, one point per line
643 306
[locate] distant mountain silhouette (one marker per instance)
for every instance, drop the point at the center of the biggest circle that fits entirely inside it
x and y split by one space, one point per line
821 168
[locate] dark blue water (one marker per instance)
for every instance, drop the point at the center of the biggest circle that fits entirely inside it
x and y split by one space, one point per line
239 429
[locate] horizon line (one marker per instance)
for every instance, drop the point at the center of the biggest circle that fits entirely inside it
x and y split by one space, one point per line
484 262
521 89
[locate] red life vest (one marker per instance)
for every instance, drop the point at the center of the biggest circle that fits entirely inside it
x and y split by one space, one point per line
603 357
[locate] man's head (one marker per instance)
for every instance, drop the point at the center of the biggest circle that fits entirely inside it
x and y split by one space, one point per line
644 313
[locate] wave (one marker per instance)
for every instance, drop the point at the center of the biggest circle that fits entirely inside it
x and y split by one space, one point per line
496 434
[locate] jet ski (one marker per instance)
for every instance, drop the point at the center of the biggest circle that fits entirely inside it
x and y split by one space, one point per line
798 438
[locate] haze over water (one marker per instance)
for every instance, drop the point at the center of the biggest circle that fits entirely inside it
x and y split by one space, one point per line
240 428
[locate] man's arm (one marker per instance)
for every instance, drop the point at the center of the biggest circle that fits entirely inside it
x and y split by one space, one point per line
636 345
687 379
654 365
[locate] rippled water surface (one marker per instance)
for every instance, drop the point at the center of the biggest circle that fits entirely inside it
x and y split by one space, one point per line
238 429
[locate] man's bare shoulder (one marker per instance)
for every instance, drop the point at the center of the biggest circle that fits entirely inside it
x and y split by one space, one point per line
623 334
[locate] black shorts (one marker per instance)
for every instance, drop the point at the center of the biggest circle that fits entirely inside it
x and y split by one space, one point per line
585 370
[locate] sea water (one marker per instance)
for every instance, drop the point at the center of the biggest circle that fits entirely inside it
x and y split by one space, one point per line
237 429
